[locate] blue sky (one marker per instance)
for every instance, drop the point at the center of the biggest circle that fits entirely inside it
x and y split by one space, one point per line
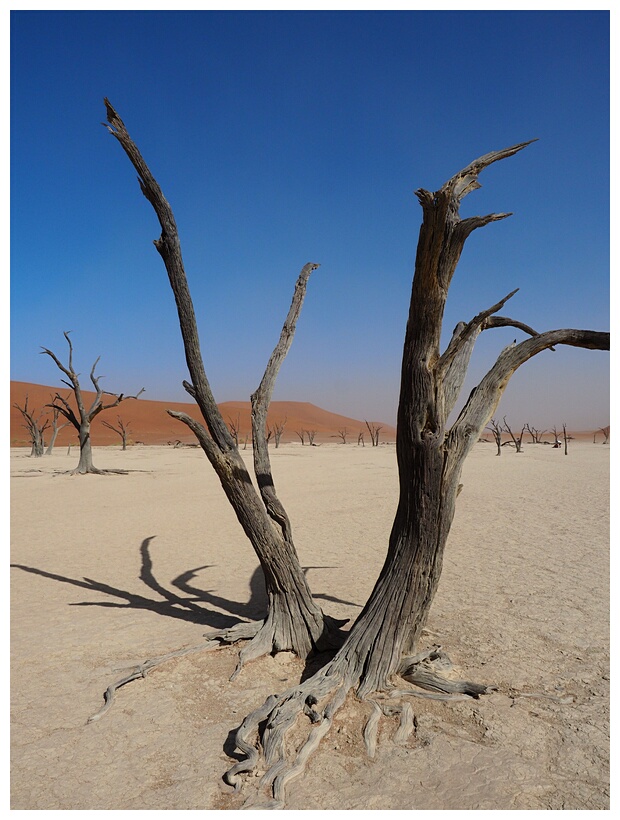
281 138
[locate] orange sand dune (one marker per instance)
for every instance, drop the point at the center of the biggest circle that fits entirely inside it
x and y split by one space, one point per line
149 422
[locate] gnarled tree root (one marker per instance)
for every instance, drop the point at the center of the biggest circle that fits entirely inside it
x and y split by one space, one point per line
262 735
238 632
262 640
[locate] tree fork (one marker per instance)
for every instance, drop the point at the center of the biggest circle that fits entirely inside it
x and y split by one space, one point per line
294 619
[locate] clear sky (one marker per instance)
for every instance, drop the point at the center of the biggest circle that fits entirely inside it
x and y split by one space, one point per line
281 138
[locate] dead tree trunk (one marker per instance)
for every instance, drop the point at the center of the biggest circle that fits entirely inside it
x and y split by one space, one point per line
565 436
301 434
311 436
84 417
383 639
35 429
294 620
605 432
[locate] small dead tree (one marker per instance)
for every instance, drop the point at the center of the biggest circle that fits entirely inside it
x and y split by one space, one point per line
605 432
82 420
301 435
556 438
382 644
342 435
122 429
497 430
233 426
311 436
35 427
374 430
360 439
278 429
535 434
518 441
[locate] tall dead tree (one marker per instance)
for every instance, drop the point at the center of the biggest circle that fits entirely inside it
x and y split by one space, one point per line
294 620
122 429
82 420
382 644
35 427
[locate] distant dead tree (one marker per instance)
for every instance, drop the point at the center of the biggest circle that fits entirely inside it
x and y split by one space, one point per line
360 439
374 430
383 643
535 434
605 432
233 426
496 429
278 429
84 417
56 428
301 435
35 427
566 437
311 436
556 438
342 435
518 441
122 429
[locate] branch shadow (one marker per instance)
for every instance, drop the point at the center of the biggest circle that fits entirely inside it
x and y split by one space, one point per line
192 605
186 608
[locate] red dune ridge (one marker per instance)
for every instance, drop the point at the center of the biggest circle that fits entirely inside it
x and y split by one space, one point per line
149 423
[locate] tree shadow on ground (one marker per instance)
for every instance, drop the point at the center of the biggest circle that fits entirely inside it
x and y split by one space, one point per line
188 607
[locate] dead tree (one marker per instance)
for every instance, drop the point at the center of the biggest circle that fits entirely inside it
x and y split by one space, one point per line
556 438
56 428
382 644
278 429
35 428
311 436
605 432
535 434
301 435
360 439
122 430
82 420
374 430
342 435
496 429
233 426
294 620
518 441
565 437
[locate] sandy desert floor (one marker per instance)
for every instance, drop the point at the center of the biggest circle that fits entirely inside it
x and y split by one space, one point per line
108 571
